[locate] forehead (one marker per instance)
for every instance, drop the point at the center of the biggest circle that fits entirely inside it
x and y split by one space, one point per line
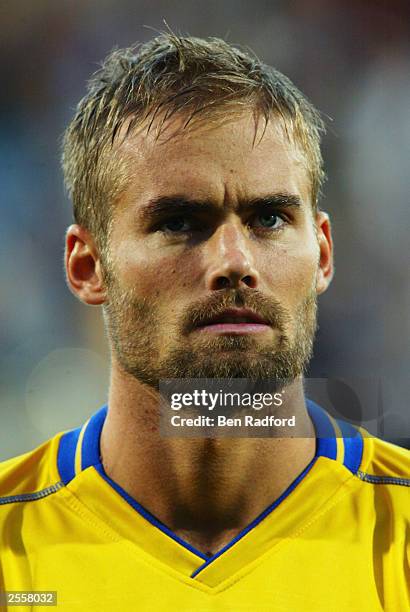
228 160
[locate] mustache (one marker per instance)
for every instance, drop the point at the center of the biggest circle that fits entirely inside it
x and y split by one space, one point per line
268 308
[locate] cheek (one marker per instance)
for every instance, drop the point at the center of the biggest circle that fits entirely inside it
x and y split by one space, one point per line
152 273
291 273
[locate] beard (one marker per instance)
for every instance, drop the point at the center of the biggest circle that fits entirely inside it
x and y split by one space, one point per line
134 329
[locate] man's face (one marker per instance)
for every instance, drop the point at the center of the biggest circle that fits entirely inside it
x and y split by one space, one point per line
211 221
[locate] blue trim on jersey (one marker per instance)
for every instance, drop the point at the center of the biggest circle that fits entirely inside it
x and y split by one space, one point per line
353 442
326 438
90 456
325 433
90 448
66 455
146 514
258 520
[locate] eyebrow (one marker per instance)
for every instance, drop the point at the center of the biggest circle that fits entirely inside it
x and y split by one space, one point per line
158 207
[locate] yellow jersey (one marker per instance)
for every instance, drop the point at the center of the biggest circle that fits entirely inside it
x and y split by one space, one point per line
337 539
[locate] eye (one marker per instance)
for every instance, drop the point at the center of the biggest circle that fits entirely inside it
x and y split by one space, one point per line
269 220
175 225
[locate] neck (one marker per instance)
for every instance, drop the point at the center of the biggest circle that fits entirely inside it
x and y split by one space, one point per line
205 490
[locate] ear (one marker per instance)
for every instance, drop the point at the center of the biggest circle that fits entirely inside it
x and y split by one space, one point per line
324 237
83 266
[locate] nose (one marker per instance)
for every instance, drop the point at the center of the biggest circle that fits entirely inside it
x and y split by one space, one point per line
231 261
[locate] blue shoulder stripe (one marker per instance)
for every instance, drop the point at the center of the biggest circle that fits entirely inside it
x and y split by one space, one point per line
90 447
353 443
66 454
325 433
90 450
326 438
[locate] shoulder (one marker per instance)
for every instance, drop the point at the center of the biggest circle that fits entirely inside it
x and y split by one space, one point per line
30 476
384 463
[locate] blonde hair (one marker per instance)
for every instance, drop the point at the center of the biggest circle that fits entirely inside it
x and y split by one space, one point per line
173 74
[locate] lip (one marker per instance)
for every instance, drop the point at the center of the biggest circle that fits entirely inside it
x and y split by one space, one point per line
254 323
234 328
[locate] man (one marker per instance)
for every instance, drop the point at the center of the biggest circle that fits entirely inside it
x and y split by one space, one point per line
195 172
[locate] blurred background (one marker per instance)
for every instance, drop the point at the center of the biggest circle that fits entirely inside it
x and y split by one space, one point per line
351 58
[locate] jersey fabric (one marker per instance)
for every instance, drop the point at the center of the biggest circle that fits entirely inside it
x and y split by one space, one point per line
337 539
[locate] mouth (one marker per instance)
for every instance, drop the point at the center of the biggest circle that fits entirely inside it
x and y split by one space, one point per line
235 321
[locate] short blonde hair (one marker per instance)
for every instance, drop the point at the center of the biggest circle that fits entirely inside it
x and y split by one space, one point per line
173 74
